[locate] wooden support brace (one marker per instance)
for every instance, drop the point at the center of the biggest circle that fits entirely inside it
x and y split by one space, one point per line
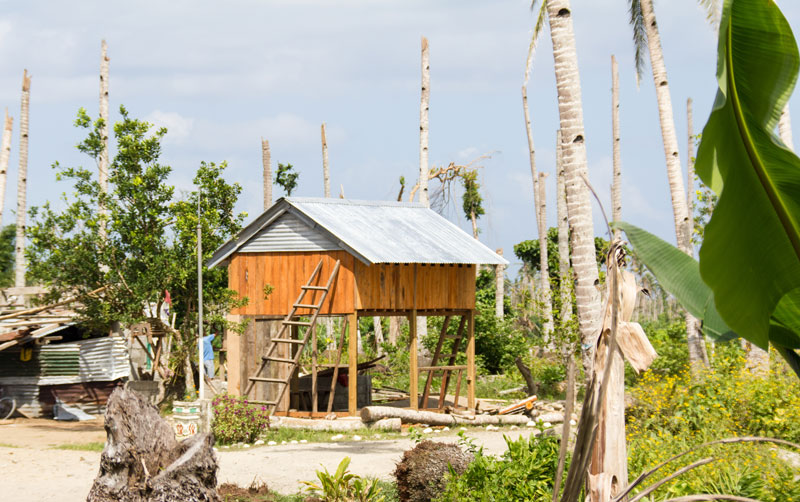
352 377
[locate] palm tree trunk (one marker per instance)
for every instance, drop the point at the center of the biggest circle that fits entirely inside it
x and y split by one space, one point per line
563 239
573 145
616 185
102 161
696 343
541 224
547 295
785 127
394 329
499 287
265 160
5 153
22 182
326 174
690 195
376 322
423 124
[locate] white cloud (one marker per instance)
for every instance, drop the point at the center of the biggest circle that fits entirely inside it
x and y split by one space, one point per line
179 128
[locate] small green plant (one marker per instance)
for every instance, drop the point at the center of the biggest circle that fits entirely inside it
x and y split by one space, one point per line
268 289
286 178
468 444
236 420
93 446
524 472
415 435
344 486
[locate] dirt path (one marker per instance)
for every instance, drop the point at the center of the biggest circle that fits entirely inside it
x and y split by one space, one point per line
33 471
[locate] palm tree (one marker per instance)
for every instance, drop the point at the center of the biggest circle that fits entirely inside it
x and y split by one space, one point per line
646 36
575 168
102 161
5 153
541 221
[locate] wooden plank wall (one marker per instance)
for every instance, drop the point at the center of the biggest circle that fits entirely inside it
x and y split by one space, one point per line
438 286
248 273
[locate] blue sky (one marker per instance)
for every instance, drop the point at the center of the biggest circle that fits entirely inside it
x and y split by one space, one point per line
221 76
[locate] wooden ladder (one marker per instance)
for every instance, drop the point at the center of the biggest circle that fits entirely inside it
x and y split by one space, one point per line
284 336
446 369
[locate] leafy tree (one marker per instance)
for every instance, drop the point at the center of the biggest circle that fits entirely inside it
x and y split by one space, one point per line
151 239
472 200
7 236
286 178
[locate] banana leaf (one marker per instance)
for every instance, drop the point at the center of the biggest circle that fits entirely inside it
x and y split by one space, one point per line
679 274
750 257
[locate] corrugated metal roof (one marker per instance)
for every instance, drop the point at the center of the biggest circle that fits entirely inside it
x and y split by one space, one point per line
373 231
103 359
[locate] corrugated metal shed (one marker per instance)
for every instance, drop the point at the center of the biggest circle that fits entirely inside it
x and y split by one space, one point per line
59 360
103 359
373 231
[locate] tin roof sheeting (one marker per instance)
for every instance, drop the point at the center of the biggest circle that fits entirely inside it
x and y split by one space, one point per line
373 231
103 359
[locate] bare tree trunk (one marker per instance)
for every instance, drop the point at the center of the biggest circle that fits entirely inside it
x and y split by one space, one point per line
376 321
188 377
5 153
541 224
696 343
563 238
474 221
690 195
102 161
266 161
785 127
616 185
499 287
423 124
544 266
573 145
22 182
326 174
394 329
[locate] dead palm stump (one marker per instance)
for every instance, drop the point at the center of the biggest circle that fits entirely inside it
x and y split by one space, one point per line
142 461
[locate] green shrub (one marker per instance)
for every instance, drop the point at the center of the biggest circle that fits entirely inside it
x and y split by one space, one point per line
524 472
235 420
344 486
673 413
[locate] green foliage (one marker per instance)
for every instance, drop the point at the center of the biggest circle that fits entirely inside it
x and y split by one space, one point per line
344 486
673 412
755 177
151 235
235 420
524 472
7 259
286 178
703 209
472 200
669 340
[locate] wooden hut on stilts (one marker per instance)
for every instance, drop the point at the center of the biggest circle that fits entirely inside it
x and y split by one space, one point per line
307 258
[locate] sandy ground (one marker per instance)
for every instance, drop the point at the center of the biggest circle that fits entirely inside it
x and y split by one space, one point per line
31 470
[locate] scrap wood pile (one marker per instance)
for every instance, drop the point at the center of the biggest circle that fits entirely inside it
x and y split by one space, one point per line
23 325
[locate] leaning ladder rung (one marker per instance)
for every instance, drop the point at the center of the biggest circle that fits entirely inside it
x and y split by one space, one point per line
315 288
305 306
278 359
297 323
441 368
288 340
268 380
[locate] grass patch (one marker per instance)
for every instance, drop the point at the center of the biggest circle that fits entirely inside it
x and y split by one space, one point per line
93 446
8 445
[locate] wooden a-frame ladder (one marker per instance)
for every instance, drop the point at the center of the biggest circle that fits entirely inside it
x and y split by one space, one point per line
284 336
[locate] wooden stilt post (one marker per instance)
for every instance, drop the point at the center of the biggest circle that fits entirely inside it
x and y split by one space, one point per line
352 372
314 396
412 353
471 360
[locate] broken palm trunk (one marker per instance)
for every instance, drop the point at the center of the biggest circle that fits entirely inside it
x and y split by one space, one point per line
602 422
142 461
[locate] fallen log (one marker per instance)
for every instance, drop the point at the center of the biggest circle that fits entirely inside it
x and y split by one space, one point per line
142 461
374 413
338 425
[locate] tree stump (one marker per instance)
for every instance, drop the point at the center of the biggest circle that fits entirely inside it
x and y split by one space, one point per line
422 472
142 461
